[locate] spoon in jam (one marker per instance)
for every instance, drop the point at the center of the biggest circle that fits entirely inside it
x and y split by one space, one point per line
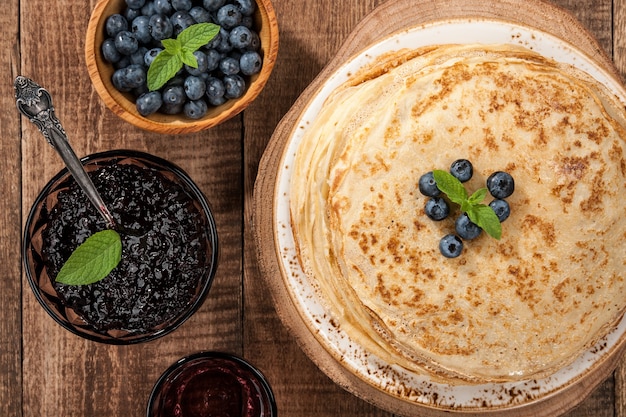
35 102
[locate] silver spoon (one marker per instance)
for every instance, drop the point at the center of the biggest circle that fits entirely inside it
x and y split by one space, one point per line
35 102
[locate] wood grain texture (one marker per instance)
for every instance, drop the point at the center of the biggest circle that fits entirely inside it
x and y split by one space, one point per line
44 371
307 45
10 150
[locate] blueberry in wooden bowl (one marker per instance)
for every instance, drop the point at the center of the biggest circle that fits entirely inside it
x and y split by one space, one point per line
168 249
213 79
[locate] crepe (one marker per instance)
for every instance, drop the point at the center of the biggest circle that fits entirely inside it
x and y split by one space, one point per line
516 308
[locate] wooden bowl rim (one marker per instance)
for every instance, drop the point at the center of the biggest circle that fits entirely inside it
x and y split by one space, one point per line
100 74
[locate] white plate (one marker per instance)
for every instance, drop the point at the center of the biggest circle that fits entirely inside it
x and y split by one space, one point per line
394 380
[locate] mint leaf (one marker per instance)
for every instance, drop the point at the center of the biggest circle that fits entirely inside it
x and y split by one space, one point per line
93 260
478 196
480 214
195 36
173 46
189 58
451 186
486 218
179 51
162 69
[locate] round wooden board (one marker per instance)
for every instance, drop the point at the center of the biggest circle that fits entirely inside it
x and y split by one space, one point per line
391 17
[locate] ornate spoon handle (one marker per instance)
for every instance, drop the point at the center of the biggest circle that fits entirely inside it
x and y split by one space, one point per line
35 102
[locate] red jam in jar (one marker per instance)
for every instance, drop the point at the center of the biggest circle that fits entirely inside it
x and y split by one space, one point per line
212 384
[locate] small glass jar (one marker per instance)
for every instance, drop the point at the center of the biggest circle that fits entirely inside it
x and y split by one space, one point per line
212 384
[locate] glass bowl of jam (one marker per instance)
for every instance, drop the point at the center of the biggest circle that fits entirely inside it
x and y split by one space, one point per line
169 248
212 384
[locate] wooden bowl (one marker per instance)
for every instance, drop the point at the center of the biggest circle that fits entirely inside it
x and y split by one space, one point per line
123 104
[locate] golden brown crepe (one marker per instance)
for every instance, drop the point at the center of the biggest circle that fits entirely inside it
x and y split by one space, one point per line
521 307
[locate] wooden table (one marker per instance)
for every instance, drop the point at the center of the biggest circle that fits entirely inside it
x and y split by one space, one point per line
46 371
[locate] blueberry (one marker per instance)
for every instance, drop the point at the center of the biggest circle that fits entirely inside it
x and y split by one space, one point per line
115 24
462 170
131 14
148 9
122 63
181 20
142 89
203 64
213 59
109 51
148 58
194 87
135 4
450 246
428 186
128 78
465 228
250 63
160 27
182 5
163 7
126 43
255 42
173 95
213 5
119 81
501 208
246 7
436 208
247 21
500 184
228 16
200 14
215 88
137 57
149 103
229 66
216 101
240 37
135 75
235 86
223 44
195 109
140 28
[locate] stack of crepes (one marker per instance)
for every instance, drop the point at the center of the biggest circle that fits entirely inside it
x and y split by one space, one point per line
516 308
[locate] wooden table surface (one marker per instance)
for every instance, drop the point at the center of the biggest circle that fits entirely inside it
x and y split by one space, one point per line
45 370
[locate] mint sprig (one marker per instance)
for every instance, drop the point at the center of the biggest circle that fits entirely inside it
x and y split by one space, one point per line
179 51
480 214
93 260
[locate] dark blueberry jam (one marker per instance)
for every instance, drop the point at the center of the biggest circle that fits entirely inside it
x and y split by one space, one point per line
164 248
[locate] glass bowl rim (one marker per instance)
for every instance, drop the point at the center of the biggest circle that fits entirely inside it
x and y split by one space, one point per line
212 237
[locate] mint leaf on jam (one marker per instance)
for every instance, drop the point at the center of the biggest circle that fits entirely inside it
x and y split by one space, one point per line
93 260
179 51
478 213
